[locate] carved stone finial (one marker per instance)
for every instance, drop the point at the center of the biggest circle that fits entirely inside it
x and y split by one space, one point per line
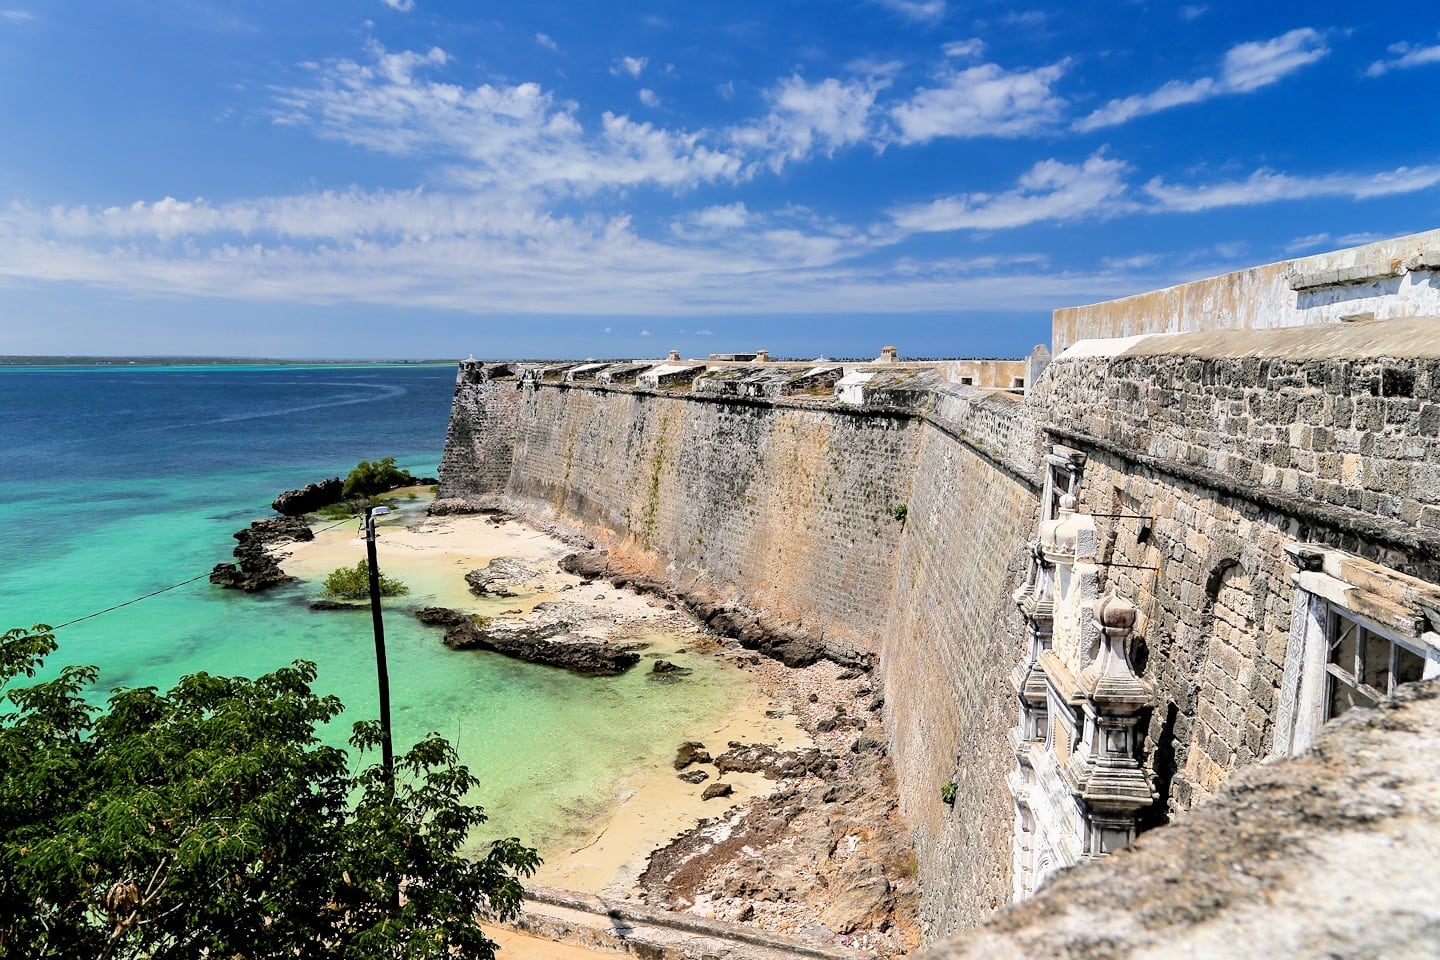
1115 614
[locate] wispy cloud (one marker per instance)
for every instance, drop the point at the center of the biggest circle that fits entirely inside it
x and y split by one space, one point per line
1054 191
1265 186
1308 242
1048 191
806 119
648 97
1192 11
1244 68
1404 56
973 47
404 6
982 101
508 137
17 16
920 11
546 41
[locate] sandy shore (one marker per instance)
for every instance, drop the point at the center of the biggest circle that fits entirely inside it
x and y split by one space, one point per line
651 806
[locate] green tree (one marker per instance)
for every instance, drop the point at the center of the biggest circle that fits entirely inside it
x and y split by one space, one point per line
353 583
369 479
211 820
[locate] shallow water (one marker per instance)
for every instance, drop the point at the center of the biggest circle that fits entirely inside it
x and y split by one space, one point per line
118 482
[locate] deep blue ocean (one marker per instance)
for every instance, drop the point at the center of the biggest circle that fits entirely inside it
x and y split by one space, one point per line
117 481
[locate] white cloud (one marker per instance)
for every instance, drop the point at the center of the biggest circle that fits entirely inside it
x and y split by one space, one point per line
607 330
1049 191
704 333
1404 57
1309 242
1250 66
404 6
920 11
644 333
17 16
730 216
631 65
726 90
806 119
1266 186
649 97
1244 68
506 137
1193 11
973 47
546 41
982 101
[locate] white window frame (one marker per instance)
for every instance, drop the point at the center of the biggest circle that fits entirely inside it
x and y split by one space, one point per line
1320 605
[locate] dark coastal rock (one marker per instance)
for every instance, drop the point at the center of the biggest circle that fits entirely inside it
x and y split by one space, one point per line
694 776
325 604
586 564
790 644
501 577
774 764
691 751
309 498
867 745
256 568
666 672
717 790
545 641
440 616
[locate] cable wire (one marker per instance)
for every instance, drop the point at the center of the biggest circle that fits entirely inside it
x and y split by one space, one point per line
156 593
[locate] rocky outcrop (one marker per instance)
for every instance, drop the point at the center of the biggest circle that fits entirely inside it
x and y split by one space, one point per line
833 836
548 638
790 645
440 616
691 751
309 498
501 577
256 568
775 764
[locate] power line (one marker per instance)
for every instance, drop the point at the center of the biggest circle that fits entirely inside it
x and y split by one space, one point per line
156 593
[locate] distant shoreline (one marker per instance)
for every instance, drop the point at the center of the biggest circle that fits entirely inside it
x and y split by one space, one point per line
145 361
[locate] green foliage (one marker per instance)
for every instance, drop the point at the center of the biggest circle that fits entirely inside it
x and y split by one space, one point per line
947 792
900 511
353 583
341 510
369 479
211 821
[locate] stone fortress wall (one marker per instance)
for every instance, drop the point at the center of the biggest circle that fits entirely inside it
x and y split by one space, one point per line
1242 489
1379 281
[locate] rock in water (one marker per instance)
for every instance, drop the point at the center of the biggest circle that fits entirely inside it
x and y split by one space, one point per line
309 498
256 567
440 616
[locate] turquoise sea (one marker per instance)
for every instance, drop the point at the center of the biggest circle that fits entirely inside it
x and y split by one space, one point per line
117 481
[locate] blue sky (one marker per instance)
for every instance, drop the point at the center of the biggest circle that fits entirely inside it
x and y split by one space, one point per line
415 178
